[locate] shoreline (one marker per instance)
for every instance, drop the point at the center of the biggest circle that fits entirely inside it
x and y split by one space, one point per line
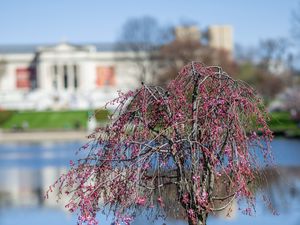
34 136
72 135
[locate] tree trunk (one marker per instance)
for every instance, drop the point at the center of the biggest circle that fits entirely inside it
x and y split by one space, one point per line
199 222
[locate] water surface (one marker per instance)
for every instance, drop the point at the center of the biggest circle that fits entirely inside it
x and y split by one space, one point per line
27 170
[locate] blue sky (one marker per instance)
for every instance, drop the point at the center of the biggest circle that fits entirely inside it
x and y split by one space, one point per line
83 21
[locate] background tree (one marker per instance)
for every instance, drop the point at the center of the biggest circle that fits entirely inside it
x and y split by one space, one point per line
291 101
275 58
268 85
296 23
2 68
158 52
181 50
272 53
142 36
266 67
295 55
197 135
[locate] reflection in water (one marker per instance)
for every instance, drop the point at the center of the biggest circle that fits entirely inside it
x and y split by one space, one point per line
282 186
26 186
27 170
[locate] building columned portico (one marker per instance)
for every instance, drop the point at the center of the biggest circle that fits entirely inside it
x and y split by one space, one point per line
63 76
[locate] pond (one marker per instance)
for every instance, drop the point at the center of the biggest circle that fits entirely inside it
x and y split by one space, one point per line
27 170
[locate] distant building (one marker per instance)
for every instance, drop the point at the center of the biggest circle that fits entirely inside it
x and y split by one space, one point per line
191 33
221 37
63 76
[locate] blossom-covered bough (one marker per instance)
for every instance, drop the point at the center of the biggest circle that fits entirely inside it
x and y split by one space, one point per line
200 136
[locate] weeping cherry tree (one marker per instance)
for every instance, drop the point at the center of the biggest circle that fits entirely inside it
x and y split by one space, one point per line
202 136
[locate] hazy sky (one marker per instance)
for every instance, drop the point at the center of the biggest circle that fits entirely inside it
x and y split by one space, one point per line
83 21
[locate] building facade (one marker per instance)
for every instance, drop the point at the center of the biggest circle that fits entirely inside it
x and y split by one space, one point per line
221 37
63 76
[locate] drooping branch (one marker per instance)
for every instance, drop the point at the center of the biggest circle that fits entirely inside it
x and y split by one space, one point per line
194 136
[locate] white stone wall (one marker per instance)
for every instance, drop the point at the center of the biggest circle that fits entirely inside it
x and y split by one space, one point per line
87 95
13 61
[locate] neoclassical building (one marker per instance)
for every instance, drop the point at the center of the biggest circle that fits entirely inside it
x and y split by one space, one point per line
63 76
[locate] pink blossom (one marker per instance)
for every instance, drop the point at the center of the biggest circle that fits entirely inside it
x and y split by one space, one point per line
140 201
185 198
160 201
72 163
127 220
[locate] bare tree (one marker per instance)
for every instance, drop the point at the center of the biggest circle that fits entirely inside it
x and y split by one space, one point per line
291 101
177 53
142 36
2 68
244 54
295 54
264 82
273 54
296 23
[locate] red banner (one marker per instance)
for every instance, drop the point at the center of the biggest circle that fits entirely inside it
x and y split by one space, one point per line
105 76
23 77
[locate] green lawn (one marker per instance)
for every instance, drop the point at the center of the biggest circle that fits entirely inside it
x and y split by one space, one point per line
6 115
280 122
47 120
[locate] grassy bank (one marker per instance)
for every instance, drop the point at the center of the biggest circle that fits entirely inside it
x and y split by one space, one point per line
47 120
281 123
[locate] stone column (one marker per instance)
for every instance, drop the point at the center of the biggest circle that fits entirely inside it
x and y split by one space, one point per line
60 84
76 74
70 72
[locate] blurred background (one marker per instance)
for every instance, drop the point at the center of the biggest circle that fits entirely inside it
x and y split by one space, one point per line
61 61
